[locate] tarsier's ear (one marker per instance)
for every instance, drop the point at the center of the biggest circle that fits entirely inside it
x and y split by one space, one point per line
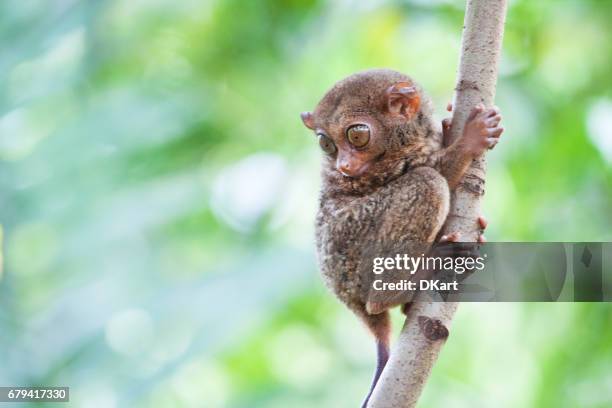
308 120
403 99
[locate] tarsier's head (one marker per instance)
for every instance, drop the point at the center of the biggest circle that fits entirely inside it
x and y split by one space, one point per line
371 124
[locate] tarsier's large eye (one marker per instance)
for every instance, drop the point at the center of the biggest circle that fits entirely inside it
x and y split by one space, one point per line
358 135
326 144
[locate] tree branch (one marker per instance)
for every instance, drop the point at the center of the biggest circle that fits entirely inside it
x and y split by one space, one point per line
426 327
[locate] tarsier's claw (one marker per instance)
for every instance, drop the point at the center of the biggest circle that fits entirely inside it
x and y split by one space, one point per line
449 107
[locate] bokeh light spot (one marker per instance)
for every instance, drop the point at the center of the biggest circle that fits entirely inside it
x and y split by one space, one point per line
130 332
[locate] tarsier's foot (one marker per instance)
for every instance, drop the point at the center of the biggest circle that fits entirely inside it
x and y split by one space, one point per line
466 249
482 130
458 248
454 237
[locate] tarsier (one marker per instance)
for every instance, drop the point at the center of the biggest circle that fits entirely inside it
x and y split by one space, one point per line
387 173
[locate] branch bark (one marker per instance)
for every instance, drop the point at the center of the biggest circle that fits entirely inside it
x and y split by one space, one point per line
427 324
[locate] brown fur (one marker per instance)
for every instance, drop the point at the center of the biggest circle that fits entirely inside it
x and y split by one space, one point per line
401 198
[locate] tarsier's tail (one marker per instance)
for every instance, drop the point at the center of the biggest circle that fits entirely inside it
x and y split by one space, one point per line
382 351
380 326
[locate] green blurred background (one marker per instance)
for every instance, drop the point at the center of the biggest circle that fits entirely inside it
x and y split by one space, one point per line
157 195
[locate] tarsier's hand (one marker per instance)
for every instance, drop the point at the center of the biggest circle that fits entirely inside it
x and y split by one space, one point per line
481 132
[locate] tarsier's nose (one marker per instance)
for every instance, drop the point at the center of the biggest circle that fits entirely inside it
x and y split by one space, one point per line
348 167
345 167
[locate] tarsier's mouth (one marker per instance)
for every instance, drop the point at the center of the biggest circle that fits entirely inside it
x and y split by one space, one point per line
357 172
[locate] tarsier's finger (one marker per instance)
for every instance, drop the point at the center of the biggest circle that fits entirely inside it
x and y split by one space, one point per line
491 142
493 111
490 112
453 237
446 123
482 222
476 111
487 114
493 121
495 132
